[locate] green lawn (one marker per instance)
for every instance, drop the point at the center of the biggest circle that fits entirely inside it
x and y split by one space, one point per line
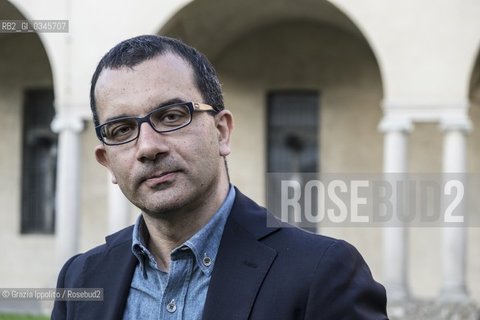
21 317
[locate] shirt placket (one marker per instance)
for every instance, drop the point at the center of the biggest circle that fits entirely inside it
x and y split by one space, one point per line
174 296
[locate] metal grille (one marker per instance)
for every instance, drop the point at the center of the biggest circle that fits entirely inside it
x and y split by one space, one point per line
39 163
293 119
293 132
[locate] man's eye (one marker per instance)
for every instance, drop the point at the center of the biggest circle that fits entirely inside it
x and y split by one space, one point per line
172 117
120 130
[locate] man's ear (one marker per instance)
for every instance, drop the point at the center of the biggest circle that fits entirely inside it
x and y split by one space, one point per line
224 125
102 158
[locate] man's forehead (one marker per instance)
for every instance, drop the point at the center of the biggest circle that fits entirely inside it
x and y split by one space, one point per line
145 85
167 70
162 62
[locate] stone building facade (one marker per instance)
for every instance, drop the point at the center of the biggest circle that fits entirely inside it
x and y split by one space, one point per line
394 86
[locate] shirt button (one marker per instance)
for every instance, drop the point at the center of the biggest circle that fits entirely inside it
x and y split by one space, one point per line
207 261
172 306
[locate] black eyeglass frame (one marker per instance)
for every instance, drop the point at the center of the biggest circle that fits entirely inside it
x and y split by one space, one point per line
192 107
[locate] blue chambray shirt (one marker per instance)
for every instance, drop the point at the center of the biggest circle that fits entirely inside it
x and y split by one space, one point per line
181 292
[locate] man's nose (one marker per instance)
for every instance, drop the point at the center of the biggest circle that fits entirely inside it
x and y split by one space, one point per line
150 144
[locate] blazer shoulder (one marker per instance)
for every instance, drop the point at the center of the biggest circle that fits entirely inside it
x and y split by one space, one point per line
337 274
344 280
76 264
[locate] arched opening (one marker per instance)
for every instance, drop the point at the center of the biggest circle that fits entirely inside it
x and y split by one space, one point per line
288 63
27 151
284 46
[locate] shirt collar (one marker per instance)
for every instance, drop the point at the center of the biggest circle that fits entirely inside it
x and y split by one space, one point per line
140 239
204 244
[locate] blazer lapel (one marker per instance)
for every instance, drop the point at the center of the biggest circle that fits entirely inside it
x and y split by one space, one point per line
241 264
113 271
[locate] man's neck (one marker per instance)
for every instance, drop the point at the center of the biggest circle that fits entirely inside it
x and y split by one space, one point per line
166 234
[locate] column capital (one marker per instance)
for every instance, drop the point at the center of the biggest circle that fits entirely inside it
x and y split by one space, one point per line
395 123
67 122
456 123
425 110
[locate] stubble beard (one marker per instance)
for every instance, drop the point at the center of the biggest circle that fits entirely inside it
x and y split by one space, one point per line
174 201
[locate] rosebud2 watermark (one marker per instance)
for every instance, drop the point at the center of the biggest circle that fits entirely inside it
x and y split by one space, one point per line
372 200
60 294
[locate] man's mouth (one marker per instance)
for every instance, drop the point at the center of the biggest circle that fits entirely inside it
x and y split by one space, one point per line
161 178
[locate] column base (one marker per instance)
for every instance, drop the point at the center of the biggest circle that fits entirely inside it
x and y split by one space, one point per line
432 310
455 294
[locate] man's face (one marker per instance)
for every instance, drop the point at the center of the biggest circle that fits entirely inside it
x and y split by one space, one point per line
162 172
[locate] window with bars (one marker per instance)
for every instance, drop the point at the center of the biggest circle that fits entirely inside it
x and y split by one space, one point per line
39 160
292 141
293 131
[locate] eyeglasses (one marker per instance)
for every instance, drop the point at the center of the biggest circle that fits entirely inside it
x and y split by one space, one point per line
164 119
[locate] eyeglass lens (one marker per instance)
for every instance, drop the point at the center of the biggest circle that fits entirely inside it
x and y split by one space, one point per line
163 119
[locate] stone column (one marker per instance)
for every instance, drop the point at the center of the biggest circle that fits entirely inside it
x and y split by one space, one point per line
454 237
395 164
118 208
67 219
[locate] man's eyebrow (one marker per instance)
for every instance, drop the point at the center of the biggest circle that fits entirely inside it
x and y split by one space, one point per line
168 102
163 104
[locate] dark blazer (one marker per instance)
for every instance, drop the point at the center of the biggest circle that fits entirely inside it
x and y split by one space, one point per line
261 273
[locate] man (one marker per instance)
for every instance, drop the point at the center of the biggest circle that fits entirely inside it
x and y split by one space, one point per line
200 249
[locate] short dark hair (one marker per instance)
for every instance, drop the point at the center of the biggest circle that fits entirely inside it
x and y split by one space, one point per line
133 51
